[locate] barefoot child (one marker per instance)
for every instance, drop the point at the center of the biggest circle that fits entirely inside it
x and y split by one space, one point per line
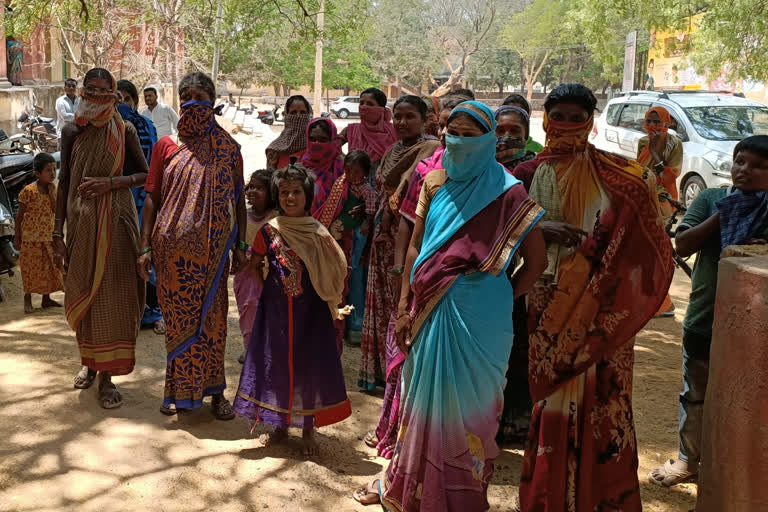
717 218
34 235
247 289
351 204
292 375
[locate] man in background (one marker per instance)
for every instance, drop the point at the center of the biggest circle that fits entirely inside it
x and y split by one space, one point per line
66 106
162 116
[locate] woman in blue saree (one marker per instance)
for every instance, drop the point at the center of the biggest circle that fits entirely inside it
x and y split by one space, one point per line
461 321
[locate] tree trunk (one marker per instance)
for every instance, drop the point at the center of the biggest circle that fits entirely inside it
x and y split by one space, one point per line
532 73
569 64
605 87
286 91
240 97
277 89
346 91
175 75
522 75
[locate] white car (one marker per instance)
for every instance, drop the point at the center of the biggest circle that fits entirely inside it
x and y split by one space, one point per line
709 124
346 106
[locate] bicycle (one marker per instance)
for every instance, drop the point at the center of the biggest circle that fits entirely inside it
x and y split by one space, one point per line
671 221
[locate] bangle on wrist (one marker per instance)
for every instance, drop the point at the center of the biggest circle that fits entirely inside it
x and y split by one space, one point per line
397 271
57 234
241 245
145 251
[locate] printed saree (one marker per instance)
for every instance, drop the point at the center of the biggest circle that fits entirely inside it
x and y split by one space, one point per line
194 232
581 452
453 378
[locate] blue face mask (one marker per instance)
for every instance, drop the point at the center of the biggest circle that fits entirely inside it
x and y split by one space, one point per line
467 157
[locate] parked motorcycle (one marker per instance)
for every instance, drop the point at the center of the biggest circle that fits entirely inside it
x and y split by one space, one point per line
16 173
17 143
9 256
41 129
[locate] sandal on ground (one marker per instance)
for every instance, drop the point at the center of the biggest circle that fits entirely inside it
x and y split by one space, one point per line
371 440
367 494
85 378
222 409
109 396
168 410
670 474
159 327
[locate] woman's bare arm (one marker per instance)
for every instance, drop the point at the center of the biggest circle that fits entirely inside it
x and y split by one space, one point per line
534 253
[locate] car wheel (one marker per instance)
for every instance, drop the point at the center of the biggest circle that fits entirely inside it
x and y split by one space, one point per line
691 188
343 113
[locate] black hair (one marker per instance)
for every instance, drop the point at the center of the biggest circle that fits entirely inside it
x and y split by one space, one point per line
360 158
298 97
518 101
97 73
465 115
126 86
325 126
451 101
377 94
415 101
70 81
525 121
757 144
465 92
265 177
198 80
573 93
651 62
294 172
150 89
41 160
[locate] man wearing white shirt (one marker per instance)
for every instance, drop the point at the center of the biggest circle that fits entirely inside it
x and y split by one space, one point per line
163 116
66 106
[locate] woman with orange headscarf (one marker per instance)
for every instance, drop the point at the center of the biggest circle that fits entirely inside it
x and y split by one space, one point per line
661 154
101 159
610 264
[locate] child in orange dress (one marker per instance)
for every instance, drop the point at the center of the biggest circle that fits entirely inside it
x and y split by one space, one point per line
34 235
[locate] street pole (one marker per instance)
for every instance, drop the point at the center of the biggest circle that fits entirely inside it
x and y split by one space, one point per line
318 89
217 47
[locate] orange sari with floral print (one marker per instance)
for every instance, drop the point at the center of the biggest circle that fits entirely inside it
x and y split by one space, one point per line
581 453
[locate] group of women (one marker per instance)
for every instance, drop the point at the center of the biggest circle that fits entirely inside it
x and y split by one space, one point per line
465 226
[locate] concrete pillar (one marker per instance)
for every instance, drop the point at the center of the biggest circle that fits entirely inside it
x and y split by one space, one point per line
3 57
733 476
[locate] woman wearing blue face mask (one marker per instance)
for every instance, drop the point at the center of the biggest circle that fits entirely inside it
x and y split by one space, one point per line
194 215
460 325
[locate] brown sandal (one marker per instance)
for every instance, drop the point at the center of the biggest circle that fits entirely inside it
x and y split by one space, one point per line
222 409
368 494
371 440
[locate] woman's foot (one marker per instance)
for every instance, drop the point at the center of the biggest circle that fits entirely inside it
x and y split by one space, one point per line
368 494
371 440
28 304
48 302
109 396
309 443
84 378
159 327
222 409
673 472
169 410
278 435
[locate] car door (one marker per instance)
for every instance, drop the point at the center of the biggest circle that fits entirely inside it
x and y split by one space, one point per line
610 139
354 105
631 121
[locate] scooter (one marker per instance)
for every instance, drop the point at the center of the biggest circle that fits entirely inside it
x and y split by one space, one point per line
16 172
17 143
9 256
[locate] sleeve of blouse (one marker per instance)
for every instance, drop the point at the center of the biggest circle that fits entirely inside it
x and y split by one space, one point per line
24 195
428 189
160 153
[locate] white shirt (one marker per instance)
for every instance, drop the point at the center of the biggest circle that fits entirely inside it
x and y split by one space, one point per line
164 118
65 112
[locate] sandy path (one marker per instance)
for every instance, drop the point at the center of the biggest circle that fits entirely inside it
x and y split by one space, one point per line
62 452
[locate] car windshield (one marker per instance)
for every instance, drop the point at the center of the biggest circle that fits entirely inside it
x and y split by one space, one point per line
728 123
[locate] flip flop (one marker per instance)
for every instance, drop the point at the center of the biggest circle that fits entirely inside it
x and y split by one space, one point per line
159 327
668 475
85 381
107 397
371 440
168 411
366 495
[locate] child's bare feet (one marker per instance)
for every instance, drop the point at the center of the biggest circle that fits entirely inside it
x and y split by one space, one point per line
308 440
28 304
275 437
48 302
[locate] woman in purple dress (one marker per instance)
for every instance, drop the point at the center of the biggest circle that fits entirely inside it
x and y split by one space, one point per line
292 376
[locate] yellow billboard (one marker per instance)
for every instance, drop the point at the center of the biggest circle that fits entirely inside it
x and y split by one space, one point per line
669 66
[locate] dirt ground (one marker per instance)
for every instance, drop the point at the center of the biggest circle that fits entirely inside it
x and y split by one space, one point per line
60 451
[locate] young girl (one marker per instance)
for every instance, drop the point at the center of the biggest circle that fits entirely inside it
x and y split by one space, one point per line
351 204
247 289
292 375
34 235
